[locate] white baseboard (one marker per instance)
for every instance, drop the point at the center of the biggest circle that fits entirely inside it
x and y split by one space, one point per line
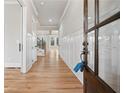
35 59
81 80
28 67
12 64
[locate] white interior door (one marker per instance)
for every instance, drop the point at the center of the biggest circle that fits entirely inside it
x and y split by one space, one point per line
13 32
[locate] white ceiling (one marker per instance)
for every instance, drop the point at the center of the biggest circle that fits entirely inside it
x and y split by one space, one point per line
52 9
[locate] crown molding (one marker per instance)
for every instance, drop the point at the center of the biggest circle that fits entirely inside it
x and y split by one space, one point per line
34 8
11 2
65 10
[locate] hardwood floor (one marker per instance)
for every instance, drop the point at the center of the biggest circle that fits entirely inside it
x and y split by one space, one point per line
48 75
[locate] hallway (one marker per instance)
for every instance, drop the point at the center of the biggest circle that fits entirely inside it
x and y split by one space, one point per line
48 75
62 46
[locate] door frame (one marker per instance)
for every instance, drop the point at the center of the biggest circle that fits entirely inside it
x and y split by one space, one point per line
95 28
23 34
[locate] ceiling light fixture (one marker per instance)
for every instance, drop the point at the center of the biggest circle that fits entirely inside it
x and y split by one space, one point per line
89 17
50 20
42 3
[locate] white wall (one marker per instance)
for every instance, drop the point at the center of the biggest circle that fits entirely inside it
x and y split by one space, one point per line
71 35
12 14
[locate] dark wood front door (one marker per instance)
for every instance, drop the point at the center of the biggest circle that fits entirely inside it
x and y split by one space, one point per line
102 46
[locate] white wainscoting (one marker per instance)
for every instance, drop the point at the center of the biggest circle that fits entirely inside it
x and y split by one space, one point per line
70 49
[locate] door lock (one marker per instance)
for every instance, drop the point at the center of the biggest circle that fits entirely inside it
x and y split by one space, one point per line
85 49
85 43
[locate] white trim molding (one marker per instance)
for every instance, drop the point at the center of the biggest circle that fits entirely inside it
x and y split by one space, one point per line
23 70
11 2
65 10
48 27
8 64
34 8
28 67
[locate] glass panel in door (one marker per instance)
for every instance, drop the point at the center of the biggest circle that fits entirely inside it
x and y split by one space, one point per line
109 54
91 13
91 48
108 8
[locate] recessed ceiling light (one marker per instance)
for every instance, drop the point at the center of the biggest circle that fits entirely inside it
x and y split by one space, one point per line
42 3
50 20
89 17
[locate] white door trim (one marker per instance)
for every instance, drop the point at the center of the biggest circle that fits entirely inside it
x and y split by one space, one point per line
24 32
23 70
